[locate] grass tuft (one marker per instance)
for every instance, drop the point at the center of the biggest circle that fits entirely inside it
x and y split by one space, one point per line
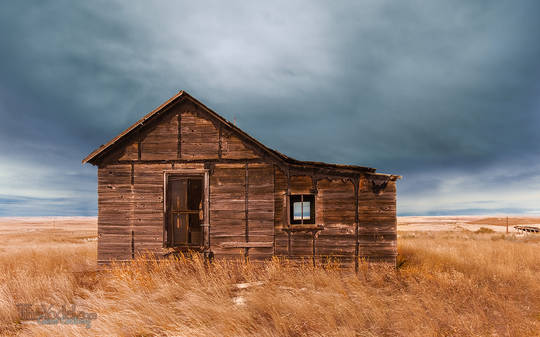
484 230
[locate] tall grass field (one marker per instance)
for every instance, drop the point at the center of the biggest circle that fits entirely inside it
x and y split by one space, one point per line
447 283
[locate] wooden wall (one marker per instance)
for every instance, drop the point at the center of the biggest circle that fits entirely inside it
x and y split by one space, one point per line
114 211
130 187
280 212
248 197
199 137
337 201
378 224
242 210
336 211
260 204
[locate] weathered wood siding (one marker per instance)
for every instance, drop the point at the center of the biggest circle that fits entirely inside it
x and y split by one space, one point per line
227 209
232 147
260 181
114 211
335 209
248 196
242 210
148 206
131 191
160 140
199 137
378 224
300 242
280 212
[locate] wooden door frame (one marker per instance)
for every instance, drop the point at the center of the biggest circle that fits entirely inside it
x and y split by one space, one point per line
205 225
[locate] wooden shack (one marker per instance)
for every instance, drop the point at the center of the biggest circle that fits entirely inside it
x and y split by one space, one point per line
184 178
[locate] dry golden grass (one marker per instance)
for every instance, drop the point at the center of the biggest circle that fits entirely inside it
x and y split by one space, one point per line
512 221
447 284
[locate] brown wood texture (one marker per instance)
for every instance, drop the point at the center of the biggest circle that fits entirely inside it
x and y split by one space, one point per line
291 244
260 209
199 137
114 212
258 244
148 206
227 209
248 195
230 184
377 225
301 184
160 140
336 212
232 147
185 132
280 214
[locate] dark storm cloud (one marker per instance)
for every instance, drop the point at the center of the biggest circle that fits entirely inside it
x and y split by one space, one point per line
444 93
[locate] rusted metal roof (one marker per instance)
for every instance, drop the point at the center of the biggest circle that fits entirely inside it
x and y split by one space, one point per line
182 95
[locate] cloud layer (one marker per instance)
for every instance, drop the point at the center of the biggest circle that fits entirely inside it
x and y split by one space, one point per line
443 93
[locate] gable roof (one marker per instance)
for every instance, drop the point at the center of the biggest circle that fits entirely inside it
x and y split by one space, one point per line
182 95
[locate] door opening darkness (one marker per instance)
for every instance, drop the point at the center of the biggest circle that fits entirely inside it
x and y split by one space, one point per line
184 210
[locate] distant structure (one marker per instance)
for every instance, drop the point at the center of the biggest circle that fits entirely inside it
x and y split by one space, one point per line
528 229
184 178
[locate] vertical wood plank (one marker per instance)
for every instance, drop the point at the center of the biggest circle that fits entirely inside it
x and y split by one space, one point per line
246 194
179 131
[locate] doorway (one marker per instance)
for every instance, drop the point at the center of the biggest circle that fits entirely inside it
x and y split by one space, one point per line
184 215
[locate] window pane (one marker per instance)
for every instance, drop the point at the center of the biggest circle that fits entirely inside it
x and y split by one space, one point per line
297 206
306 210
194 194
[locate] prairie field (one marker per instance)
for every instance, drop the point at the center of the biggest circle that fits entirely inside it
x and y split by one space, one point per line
451 279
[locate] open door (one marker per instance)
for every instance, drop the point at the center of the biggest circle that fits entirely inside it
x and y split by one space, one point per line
185 195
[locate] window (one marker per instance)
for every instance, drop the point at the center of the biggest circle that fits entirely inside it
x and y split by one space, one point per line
302 209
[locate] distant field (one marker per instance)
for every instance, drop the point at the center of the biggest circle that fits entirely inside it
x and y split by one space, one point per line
20 233
460 223
453 279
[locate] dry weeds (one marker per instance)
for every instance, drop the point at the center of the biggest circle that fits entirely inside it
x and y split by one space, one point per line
447 284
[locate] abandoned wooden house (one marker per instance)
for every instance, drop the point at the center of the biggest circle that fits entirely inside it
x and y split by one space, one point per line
184 178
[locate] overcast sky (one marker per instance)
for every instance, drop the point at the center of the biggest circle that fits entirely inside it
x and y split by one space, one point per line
444 93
